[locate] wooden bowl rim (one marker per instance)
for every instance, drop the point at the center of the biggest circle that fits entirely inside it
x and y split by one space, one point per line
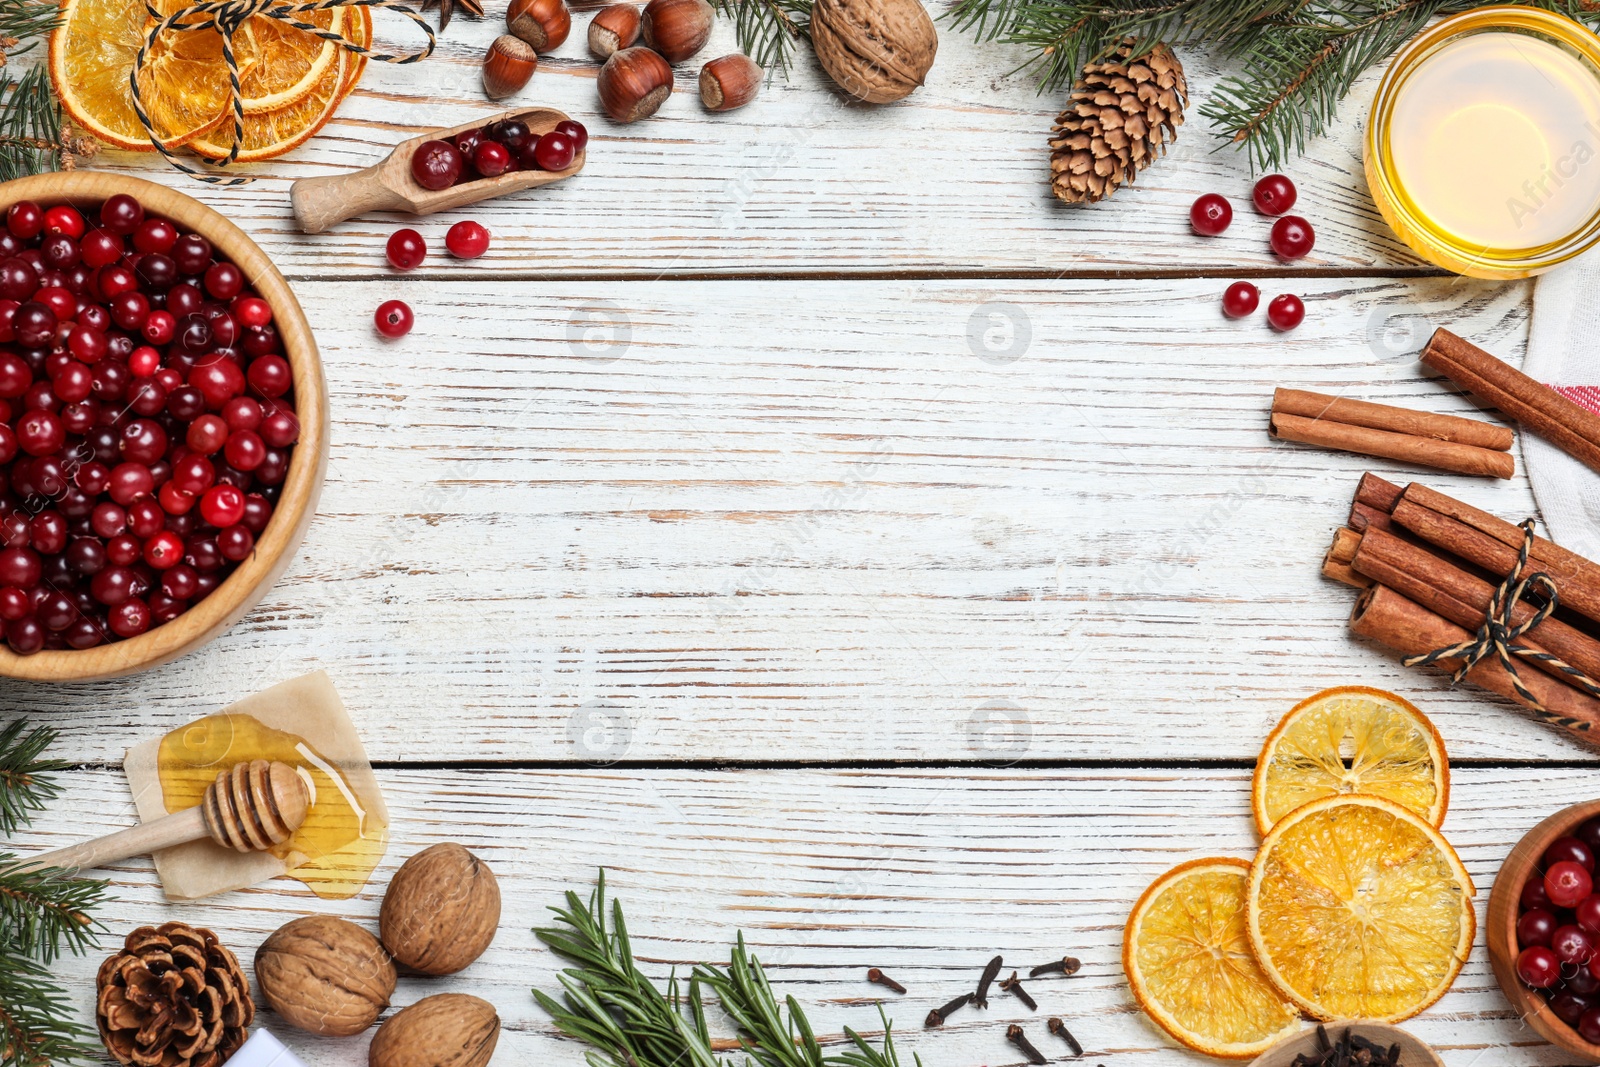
1501 927
1280 1055
250 580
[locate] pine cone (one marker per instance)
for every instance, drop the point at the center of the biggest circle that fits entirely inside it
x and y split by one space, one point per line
1119 118
173 997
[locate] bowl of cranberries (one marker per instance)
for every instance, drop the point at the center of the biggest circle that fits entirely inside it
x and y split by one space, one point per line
1544 929
162 425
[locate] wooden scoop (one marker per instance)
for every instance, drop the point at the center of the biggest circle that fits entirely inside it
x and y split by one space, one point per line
249 808
388 185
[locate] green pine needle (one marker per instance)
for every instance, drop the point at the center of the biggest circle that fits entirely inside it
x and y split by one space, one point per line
24 785
30 126
768 29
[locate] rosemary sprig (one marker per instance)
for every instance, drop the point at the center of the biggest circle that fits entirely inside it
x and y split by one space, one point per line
608 1004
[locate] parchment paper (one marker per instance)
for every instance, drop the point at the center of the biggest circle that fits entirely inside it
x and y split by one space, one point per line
308 706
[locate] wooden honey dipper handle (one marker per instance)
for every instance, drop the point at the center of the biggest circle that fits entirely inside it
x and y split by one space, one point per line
249 808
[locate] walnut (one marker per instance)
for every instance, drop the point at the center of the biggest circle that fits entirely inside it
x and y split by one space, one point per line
876 50
448 1030
325 975
441 910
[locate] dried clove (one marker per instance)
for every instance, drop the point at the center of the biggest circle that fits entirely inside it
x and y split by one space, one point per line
1065 965
1059 1028
1014 985
1015 1035
981 997
1349 1050
937 1016
877 977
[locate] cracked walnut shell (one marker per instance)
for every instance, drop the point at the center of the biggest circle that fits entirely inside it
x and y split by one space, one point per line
325 975
875 50
441 910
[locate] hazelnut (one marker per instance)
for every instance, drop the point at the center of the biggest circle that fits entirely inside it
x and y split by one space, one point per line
676 28
446 1030
542 23
325 975
615 27
633 83
730 82
508 66
441 910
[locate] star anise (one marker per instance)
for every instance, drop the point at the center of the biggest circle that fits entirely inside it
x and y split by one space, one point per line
448 8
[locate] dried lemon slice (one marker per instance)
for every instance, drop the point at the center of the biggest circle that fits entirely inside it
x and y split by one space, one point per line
184 82
1352 740
1359 909
1187 955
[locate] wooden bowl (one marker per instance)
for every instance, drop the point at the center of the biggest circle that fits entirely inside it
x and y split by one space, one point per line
1504 899
297 500
1413 1053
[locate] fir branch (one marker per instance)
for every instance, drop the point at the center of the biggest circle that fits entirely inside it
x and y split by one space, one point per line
45 911
768 29
24 785
36 1018
30 140
27 20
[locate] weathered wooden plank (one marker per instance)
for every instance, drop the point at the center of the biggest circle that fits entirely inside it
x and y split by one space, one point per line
923 873
764 528
952 179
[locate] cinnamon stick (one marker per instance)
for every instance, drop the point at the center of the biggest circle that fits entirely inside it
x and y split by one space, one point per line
1464 599
1363 518
1343 572
1571 428
1443 455
1384 616
1374 492
1346 542
1450 428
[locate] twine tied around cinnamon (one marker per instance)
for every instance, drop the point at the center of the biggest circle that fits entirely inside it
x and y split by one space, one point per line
1498 635
226 17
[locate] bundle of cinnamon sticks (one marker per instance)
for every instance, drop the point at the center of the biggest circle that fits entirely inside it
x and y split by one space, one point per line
1428 566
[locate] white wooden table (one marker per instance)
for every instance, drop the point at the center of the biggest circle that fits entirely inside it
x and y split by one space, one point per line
802 516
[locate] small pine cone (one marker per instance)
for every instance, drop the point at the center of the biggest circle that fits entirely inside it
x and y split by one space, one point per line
1120 116
173 997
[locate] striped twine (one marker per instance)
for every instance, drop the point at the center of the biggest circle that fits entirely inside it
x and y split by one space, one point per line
226 17
1498 635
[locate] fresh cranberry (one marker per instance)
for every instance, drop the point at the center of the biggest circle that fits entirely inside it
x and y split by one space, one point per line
270 376
1208 216
34 325
184 299
191 253
244 450
1274 194
121 214
1285 312
467 142
513 133
491 159
130 482
130 310
406 249
1240 299
19 566
207 434
252 311
25 220
467 239
555 151
222 505
130 618
1568 849
1292 237
1588 1023
25 636
257 513
236 543
158 272
576 131
65 220
280 428
224 280
155 235
261 340
392 319
436 165
40 432
159 327
99 247
1567 883
181 582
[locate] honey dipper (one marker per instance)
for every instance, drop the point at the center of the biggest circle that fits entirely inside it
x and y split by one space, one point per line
249 808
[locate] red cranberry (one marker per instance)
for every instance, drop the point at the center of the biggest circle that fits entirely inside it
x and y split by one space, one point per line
280 428
1572 946
100 247
491 159
257 513
1285 312
40 432
261 340
207 434
555 151
25 220
406 249
164 550
467 142
18 279
244 450
158 272
252 311
25 636
34 325
181 582
65 220
1568 849
1588 1023
467 239
121 214
160 327
130 310
1292 237
1566 883
224 280
1240 299
436 165
130 482
130 618
392 319
578 133
192 254
1538 967
19 566
1209 215
184 299
236 543
222 505
513 133
270 376
111 281
1274 194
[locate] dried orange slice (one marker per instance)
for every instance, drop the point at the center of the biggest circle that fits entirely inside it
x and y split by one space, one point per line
1352 740
272 133
184 82
1359 909
360 31
1187 955
290 61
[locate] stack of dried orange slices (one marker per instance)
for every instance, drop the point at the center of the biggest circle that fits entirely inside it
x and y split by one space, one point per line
291 81
1354 908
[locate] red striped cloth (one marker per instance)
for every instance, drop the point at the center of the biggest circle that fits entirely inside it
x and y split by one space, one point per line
1585 396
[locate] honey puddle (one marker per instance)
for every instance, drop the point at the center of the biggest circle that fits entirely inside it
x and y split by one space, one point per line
341 843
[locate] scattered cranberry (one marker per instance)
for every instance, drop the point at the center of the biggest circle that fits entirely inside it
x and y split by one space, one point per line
1566 883
555 151
393 318
436 165
1274 194
1240 299
467 239
406 249
1210 215
1286 311
1292 237
146 417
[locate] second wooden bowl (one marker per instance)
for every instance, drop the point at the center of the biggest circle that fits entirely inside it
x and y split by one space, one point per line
1413 1053
1504 900
296 501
